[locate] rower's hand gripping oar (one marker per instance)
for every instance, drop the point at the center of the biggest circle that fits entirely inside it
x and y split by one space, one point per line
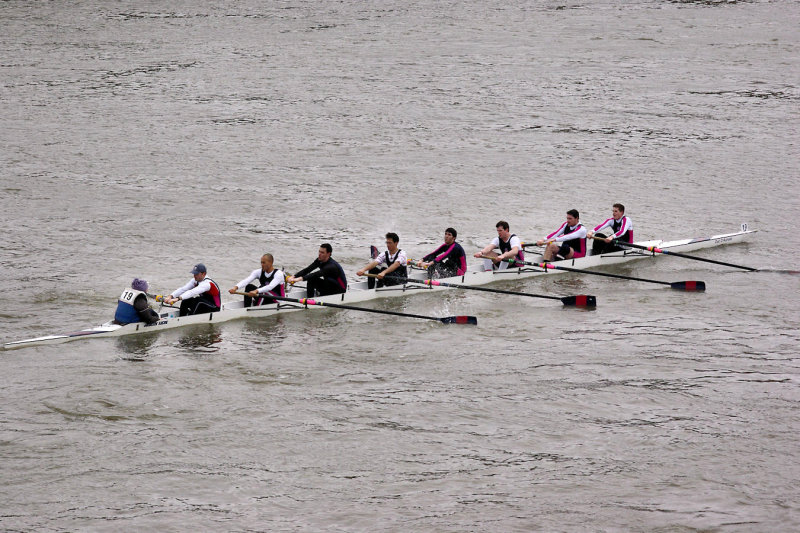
581 300
463 319
657 250
160 299
677 285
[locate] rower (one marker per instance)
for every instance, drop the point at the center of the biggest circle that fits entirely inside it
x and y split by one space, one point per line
200 295
394 272
568 241
621 226
447 260
271 283
510 248
132 305
324 276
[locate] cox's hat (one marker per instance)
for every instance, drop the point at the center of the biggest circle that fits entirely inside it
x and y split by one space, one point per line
198 268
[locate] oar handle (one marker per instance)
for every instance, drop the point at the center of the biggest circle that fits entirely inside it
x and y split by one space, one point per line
160 299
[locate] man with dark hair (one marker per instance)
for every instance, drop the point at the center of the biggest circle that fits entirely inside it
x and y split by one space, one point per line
395 261
270 283
622 229
200 295
324 276
510 248
447 260
568 241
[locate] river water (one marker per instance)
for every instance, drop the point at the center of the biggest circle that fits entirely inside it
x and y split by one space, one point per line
141 138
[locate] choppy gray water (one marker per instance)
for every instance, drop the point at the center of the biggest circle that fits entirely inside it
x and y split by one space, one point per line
140 138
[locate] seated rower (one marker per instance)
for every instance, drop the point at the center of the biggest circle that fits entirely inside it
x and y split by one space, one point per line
447 260
271 283
619 224
324 276
395 271
200 295
568 241
132 305
510 248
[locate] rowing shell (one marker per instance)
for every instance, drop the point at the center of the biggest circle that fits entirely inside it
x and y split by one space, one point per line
359 292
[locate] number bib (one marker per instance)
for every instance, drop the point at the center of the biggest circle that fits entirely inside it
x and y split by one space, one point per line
129 295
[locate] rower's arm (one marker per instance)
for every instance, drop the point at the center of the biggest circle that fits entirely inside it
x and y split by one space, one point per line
203 286
370 266
485 250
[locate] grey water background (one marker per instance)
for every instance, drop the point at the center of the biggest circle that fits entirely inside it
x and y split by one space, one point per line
140 138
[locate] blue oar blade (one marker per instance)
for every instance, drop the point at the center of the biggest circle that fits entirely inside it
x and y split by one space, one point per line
463 319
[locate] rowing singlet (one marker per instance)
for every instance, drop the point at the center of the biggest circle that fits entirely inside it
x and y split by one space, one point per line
214 293
506 247
266 279
617 224
578 245
401 271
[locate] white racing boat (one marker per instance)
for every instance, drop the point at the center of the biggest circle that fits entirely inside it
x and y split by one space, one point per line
358 292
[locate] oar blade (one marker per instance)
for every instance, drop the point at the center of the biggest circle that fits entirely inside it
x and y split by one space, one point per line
580 300
463 319
691 286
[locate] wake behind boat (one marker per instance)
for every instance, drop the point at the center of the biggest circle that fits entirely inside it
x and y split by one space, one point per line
359 292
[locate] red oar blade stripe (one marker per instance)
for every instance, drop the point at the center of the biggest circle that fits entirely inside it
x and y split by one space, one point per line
689 285
463 319
581 300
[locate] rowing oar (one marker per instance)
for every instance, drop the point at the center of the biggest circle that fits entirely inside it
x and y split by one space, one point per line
677 285
581 300
657 250
160 299
461 319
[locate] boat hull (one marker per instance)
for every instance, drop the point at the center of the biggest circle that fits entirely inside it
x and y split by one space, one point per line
359 292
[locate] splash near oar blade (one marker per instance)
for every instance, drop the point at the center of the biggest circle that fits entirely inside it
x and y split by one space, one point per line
688 285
